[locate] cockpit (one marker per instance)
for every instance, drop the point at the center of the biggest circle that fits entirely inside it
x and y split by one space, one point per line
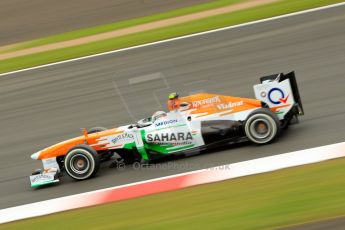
150 120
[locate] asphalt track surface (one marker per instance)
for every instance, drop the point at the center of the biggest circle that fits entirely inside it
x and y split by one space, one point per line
23 20
43 106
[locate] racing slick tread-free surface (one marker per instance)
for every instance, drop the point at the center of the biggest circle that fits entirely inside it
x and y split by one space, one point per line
44 106
270 118
87 152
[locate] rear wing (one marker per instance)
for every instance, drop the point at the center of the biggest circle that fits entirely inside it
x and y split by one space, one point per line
280 93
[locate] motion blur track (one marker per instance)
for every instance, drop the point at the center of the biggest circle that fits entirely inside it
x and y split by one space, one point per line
26 20
43 106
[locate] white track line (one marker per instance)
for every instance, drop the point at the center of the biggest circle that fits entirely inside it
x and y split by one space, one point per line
179 38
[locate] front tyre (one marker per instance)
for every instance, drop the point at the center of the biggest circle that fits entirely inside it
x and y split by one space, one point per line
82 162
262 126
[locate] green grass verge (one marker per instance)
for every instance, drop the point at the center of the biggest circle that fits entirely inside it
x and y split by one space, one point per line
282 7
264 201
119 25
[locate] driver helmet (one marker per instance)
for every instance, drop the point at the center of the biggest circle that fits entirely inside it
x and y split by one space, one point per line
173 96
157 115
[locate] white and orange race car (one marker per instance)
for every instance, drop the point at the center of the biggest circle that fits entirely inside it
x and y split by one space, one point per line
193 123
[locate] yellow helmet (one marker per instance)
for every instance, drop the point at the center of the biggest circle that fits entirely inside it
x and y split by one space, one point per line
173 96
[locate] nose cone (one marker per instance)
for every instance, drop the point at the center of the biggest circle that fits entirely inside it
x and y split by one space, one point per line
35 156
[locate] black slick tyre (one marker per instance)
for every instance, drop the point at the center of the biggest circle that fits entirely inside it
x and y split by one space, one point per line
81 162
262 126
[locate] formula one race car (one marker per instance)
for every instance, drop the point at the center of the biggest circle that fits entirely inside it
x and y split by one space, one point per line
193 123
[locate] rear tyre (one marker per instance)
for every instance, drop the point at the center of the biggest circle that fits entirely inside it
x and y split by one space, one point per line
96 130
262 126
82 162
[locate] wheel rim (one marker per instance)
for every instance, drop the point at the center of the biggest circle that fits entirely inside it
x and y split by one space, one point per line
79 164
260 128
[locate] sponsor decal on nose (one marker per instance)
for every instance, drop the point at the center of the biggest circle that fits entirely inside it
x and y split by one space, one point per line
124 136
